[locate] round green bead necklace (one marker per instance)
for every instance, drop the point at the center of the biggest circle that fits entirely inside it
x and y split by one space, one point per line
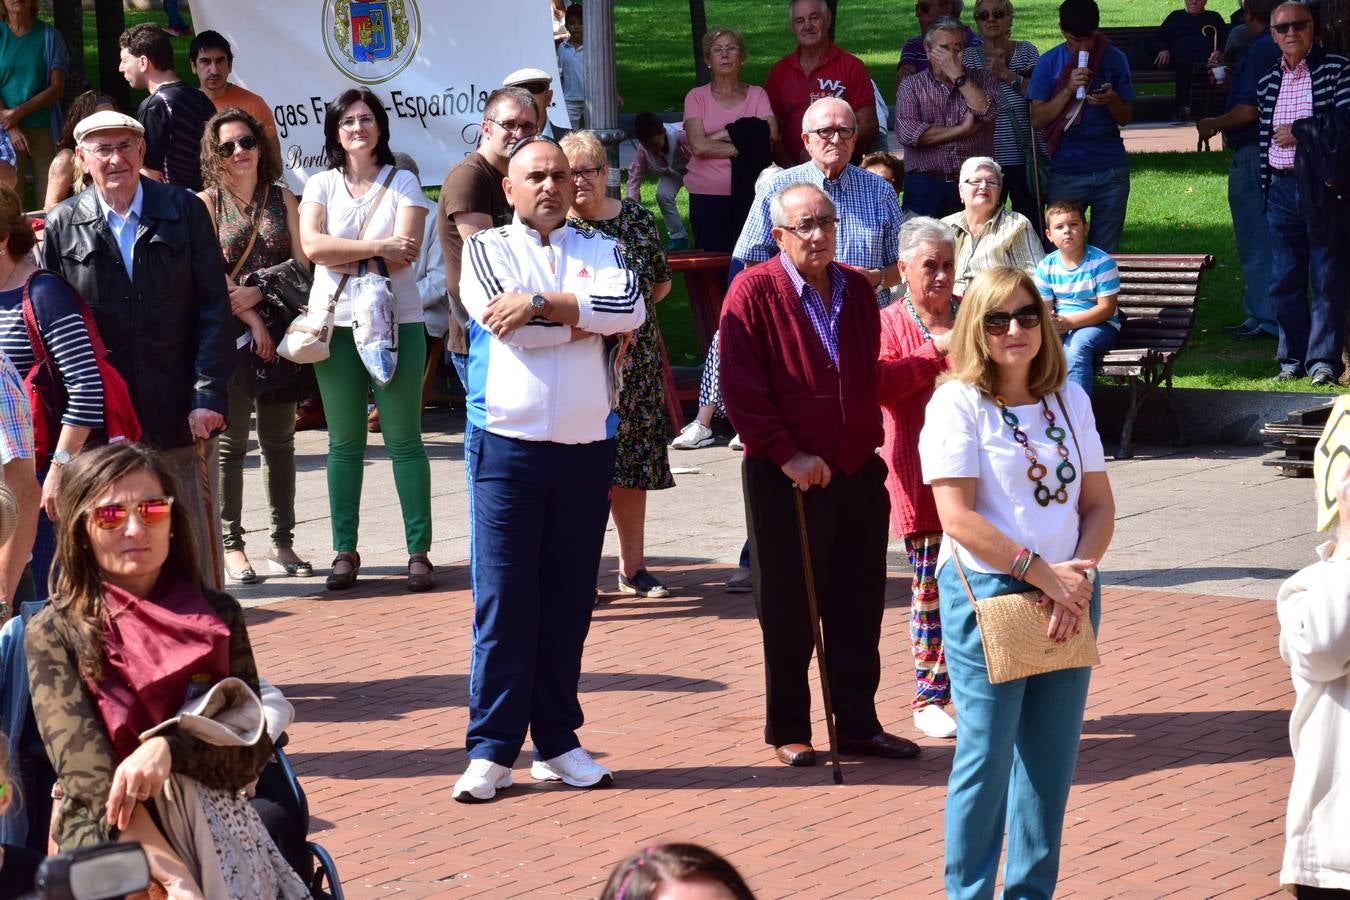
1065 471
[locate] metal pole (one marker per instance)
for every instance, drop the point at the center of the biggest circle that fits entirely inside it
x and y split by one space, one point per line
602 107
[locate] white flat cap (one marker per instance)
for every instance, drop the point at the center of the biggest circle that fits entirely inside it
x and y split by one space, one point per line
525 76
106 120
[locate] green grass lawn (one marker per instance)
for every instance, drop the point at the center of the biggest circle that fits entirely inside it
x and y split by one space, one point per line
1178 201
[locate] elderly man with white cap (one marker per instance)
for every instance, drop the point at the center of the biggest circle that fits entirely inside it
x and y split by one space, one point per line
540 85
145 257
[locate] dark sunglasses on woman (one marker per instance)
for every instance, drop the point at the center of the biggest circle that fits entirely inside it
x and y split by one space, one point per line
996 15
247 142
151 511
1028 317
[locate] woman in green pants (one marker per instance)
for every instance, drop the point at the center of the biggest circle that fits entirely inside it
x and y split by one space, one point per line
360 191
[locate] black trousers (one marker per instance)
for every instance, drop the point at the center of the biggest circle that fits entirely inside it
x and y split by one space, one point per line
847 527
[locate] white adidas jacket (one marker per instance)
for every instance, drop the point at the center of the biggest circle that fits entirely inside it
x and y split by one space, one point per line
539 384
1314 611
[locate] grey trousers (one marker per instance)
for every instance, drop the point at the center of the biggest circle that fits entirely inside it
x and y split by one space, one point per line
186 466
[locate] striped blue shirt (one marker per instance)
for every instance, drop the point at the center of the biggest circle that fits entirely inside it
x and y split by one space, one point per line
1076 290
869 219
63 332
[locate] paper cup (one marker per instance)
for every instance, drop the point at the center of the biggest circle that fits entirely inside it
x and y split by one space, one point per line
1220 73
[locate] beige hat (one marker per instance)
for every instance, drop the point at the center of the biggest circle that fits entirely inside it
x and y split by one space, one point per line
525 76
106 120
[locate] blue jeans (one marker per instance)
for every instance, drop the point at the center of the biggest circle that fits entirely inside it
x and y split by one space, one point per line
1015 758
172 15
545 506
926 195
1105 194
1302 254
1247 203
1083 347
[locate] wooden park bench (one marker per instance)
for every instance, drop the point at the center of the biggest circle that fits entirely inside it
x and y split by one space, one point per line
1136 42
1157 299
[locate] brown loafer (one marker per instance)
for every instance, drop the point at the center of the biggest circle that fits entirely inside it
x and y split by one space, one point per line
885 745
795 754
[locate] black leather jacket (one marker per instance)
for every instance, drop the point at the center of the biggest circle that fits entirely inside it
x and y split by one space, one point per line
167 330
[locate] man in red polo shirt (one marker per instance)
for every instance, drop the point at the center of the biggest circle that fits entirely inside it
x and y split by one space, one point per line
817 68
800 337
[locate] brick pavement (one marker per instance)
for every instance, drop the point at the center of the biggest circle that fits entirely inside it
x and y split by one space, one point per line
1179 791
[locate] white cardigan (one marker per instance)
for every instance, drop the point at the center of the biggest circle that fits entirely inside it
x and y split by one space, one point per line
1314 611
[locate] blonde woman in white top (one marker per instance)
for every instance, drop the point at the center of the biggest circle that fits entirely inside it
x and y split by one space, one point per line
987 234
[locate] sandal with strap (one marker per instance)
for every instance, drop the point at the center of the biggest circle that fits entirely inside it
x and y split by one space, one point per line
339 580
420 581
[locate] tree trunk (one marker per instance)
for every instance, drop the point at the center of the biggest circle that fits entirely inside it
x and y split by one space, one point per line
68 18
698 22
1335 25
111 23
834 15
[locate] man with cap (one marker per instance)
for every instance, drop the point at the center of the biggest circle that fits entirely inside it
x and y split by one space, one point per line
543 295
145 257
540 85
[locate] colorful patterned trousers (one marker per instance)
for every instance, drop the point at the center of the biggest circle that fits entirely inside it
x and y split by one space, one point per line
925 622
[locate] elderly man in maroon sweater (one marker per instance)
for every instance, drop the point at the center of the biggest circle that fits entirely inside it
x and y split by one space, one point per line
800 336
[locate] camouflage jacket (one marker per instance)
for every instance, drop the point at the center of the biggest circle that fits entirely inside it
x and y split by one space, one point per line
83 757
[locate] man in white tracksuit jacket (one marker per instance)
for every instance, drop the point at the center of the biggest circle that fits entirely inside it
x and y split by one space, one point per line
541 296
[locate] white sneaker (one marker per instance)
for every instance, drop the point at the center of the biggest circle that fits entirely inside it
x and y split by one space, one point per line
735 442
694 436
935 721
481 781
575 767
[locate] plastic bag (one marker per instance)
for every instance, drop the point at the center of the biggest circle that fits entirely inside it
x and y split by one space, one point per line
374 325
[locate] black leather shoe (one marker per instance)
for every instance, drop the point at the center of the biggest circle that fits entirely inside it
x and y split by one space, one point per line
341 580
420 581
795 754
885 745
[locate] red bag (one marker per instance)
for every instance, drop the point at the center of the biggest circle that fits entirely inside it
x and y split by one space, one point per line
47 395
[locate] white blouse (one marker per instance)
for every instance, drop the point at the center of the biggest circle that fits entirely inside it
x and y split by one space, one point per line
964 436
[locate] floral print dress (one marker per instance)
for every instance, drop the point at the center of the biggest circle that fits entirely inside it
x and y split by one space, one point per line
643 463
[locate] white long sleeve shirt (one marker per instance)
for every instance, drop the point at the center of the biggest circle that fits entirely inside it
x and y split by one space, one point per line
538 384
1314 611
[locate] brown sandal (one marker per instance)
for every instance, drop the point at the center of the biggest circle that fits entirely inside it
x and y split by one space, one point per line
340 580
420 581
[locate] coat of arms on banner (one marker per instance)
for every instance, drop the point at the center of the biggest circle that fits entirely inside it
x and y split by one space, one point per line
371 41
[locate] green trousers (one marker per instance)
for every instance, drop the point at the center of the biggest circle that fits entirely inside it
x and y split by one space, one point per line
344 384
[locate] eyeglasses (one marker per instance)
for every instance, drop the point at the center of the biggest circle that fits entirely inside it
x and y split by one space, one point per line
352 123
535 87
1296 25
724 50
589 174
982 182
807 227
520 128
829 134
1028 317
151 511
247 142
997 15
105 152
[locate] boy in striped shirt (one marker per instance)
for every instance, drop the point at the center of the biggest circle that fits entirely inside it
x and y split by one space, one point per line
1079 283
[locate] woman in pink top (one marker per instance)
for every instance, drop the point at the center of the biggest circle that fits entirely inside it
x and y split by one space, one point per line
708 109
914 336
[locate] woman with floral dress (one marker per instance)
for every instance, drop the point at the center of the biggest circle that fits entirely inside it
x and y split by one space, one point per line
642 464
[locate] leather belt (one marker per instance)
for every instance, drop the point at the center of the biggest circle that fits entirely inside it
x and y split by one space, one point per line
1282 173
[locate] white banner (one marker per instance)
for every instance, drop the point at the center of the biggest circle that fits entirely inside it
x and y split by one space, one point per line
431 62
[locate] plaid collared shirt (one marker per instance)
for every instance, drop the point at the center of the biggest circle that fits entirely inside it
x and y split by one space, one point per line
869 219
924 101
16 422
1293 102
824 321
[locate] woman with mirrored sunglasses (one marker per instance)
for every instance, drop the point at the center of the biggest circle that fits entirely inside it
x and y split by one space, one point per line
258 224
129 636
1012 62
1019 479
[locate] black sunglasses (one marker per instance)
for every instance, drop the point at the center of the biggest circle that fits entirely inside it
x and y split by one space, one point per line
534 87
997 15
248 142
1297 25
1028 317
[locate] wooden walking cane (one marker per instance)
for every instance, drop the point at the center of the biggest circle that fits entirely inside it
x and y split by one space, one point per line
208 500
814 611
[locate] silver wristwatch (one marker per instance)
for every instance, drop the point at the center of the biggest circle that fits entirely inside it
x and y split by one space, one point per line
61 458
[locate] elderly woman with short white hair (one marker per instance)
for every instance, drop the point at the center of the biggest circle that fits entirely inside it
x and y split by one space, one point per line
914 337
987 234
